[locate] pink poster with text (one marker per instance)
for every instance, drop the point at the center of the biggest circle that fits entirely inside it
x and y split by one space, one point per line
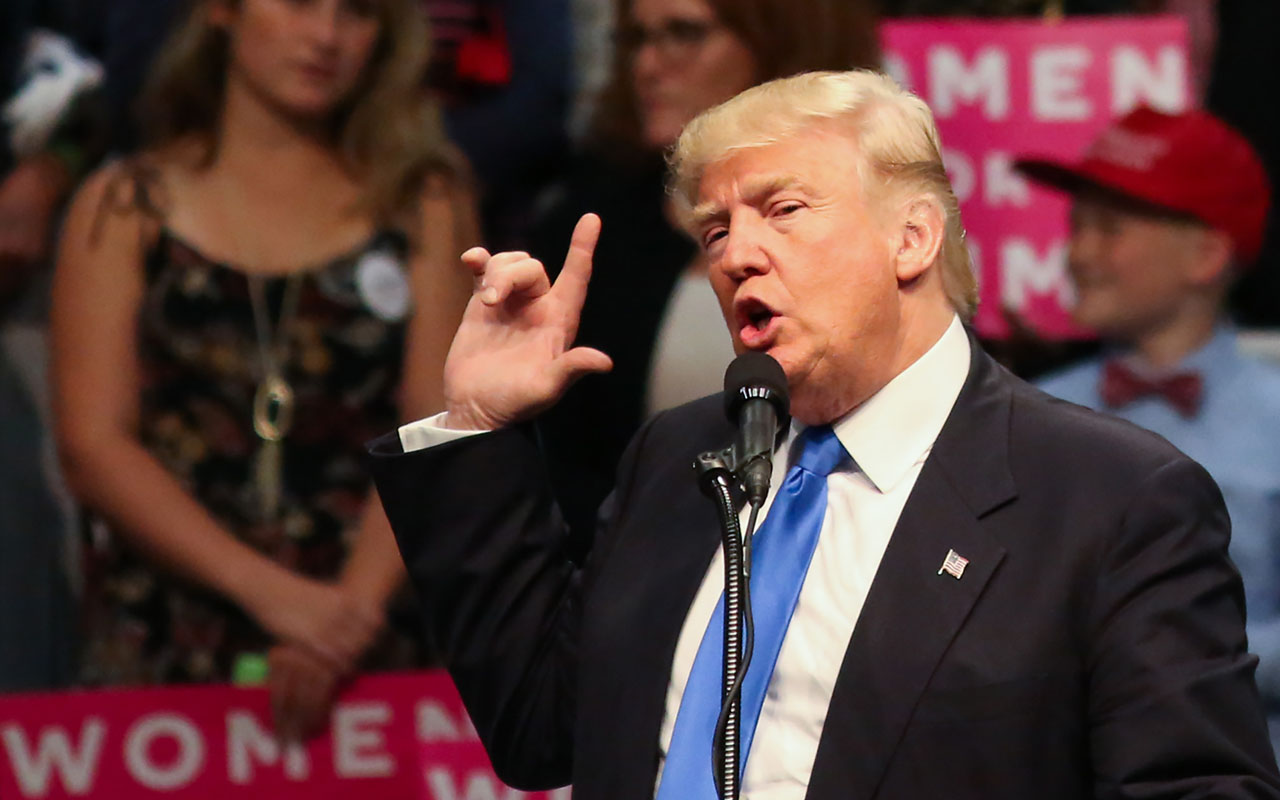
401 736
1001 90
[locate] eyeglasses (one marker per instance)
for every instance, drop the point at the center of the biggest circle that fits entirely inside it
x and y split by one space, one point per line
675 39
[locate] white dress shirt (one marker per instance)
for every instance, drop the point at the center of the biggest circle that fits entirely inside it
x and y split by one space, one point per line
888 437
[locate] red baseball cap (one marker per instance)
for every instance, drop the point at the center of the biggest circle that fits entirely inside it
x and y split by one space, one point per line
1190 163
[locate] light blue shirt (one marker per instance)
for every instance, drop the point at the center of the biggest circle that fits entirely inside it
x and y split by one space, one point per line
1236 437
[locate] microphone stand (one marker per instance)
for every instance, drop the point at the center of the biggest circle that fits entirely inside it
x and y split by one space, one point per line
720 483
755 399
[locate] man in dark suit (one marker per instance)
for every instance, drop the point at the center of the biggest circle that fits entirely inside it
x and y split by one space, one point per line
1005 596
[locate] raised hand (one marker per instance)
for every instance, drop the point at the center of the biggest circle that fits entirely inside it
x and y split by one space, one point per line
512 356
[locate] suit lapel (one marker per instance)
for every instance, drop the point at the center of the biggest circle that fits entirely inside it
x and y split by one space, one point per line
912 612
686 563
638 627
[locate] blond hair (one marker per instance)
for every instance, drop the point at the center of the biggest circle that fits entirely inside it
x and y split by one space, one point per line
387 130
891 128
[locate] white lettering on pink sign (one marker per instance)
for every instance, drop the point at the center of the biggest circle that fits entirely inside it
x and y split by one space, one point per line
436 723
954 81
180 770
359 744
1008 89
396 735
249 741
1138 80
1057 84
74 765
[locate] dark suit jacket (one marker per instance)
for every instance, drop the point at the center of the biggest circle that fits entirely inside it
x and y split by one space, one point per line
1093 648
638 260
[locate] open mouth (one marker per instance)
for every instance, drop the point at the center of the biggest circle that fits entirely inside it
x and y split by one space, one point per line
755 320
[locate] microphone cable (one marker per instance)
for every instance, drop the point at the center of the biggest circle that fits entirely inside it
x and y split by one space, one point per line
731 702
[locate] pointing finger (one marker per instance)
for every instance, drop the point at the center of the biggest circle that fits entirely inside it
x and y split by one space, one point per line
577 264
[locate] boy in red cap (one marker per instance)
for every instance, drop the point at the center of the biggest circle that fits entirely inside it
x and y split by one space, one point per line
1167 209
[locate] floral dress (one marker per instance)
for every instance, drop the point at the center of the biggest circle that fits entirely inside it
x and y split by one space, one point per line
200 358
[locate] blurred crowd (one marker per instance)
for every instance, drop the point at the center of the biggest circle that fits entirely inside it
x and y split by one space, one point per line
229 239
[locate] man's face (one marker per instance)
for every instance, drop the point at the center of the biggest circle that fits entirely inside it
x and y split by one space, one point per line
803 267
1132 269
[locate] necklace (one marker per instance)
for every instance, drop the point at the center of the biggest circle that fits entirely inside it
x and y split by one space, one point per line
273 400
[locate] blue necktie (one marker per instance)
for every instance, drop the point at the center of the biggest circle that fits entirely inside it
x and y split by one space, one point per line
782 550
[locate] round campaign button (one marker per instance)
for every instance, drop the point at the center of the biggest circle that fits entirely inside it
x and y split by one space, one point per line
383 286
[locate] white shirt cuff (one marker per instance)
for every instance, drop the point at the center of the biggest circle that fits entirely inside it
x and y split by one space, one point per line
430 432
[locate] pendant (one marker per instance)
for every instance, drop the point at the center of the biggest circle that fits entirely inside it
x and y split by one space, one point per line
272 417
272 409
267 479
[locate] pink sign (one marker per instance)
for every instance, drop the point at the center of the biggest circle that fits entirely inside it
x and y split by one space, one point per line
1001 90
391 736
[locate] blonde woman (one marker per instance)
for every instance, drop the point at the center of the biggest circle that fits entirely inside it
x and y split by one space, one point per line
237 308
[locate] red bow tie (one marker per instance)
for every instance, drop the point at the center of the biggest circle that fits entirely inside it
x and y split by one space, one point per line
1122 386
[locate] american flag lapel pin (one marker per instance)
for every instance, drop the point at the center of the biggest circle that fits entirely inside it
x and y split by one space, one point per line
953 564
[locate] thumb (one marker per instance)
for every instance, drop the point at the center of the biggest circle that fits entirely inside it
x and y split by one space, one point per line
573 364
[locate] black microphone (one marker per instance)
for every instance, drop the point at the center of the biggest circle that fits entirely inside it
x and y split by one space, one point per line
756 400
